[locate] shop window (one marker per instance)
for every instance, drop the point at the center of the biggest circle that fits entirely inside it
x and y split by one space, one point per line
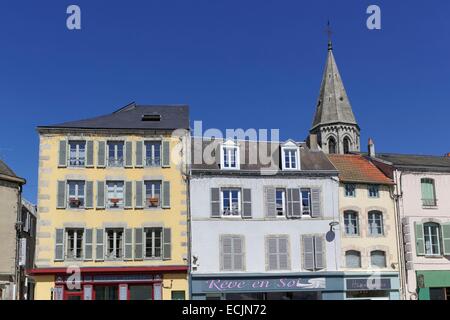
140 292
178 295
106 292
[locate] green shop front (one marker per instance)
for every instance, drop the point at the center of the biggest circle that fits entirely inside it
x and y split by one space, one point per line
433 285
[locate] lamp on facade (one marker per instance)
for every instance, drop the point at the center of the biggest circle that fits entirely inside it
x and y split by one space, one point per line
332 224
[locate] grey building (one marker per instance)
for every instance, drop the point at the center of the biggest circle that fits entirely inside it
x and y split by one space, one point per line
17 225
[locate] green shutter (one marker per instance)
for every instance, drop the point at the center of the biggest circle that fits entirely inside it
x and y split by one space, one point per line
139 154
128 244
446 238
99 249
165 194
88 244
128 154
167 244
138 243
128 194
61 195
139 194
101 154
165 154
59 245
90 153
62 157
420 243
89 194
100 194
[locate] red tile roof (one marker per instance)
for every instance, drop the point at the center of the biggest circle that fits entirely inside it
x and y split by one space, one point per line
356 168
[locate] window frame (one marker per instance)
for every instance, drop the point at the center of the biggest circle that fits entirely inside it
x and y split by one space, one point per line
121 202
381 226
75 243
226 165
296 151
356 227
309 200
438 228
156 161
283 202
432 203
115 161
119 250
377 191
239 202
77 157
153 240
76 196
384 255
278 254
358 254
147 198
353 195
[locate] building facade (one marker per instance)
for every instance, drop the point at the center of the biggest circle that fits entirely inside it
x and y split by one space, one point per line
263 229
368 223
422 186
112 209
11 233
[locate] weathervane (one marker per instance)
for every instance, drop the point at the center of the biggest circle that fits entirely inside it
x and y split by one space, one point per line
329 33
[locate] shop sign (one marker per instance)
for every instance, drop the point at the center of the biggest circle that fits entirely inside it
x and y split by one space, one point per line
369 284
270 284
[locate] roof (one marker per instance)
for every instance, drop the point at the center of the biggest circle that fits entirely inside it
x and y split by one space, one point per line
356 168
333 105
417 162
131 117
7 173
311 162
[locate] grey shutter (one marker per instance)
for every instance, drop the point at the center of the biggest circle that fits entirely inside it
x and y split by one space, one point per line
100 194
58 293
88 235
283 253
62 158
165 195
101 154
270 200
128 244
139 154
420 242
238 253
128 154
128 194
319 246
89 203
308 252
293 203
247 203
87 292
272 253
100 244
215 202
59 245
226 243
90 153
139 194
446 238
61 195
316 206
167 247
138 243
165 154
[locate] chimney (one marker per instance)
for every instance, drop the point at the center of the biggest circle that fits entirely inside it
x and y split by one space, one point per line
313 145
371 148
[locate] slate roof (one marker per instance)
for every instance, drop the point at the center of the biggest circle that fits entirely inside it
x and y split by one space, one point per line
130 117
5 170
355 168
333 105
310 161
417 162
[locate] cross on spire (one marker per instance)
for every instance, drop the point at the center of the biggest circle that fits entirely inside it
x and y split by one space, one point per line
329 32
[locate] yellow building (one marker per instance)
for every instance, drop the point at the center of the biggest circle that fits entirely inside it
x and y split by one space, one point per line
368 228
112 209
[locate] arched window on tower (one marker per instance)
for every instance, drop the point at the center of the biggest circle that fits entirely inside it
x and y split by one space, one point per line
346 145
331 146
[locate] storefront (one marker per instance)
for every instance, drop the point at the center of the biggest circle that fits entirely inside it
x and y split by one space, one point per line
433 285
320 286
372 286
143 283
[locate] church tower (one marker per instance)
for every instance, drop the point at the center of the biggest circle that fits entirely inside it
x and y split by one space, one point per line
334 127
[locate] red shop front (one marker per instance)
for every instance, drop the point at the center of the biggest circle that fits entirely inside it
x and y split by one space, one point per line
116 283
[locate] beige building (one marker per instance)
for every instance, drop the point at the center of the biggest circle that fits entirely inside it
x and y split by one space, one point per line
369 252
10 217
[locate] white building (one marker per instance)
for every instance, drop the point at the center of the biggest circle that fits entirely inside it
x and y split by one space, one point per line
263 231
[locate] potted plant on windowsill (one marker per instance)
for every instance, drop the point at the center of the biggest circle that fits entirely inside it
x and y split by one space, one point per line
114 201
75 202
153 201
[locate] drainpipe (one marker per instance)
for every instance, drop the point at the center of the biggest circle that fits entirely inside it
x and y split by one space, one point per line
18 227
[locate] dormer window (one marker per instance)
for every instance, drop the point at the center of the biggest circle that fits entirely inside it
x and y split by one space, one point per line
290 156
230 156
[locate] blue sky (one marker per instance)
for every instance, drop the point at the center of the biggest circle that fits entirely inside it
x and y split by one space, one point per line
238 64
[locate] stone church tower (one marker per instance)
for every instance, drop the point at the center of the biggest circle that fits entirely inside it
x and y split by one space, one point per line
334 127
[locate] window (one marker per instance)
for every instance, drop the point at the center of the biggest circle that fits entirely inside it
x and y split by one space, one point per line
378 259
153 243
106 292
290 158
153 194
141 292
75 190
353 259
306 201
432 237
153 153
114 243
74 243
178 295
77 153
375 223
331 146
346 145
277 252
230 157
428 192
231 202
115 194
350 190
232 253
115 153
351 223
374 191
280 201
